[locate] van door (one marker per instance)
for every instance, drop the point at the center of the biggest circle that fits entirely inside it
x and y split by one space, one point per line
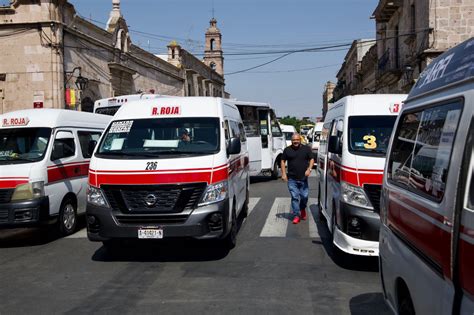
63 170
322 164
333 169
266 138
464 241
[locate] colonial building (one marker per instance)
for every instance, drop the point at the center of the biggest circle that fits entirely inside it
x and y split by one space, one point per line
53 58
328 96
410 34
349 78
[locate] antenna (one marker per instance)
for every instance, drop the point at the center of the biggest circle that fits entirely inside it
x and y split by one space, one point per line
212 8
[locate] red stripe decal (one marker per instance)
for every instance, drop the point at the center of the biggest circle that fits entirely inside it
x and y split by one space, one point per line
466 272
59 172
11 183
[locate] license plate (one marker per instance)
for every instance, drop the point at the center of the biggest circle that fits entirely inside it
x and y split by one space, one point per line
150 233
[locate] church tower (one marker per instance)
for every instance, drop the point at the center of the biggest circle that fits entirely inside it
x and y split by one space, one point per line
213 56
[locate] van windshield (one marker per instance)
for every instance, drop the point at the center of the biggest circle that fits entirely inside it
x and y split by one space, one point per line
369 135
164 137
23 145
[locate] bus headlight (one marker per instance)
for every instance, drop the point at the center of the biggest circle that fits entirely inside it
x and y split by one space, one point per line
215 193
96 197
28 191
355 195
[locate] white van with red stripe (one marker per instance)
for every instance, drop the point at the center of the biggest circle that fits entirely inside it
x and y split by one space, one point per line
351 157
427 214
169 167
44 163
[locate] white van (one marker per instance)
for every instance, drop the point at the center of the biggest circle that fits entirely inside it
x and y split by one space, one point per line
266 141
351 157
110 105
44 163
169 167
314 138
288 131
427 214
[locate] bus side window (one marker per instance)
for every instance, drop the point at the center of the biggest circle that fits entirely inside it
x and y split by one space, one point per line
243 138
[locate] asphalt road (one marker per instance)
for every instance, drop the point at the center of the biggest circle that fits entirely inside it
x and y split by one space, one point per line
276 268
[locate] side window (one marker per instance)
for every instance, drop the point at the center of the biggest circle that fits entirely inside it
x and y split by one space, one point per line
324 138
227 130
234 126
422 149
63 146
85 140
243 138
276 131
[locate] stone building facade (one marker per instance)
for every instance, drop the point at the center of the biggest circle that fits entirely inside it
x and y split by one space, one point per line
328 96
411 33
46 47
349 78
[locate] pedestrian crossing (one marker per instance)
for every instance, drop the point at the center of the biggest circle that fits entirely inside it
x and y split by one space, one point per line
277 222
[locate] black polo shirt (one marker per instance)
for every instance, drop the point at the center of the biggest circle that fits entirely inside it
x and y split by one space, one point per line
298 160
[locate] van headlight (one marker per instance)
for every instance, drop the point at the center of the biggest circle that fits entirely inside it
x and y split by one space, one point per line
28 191
96 197
355 196
215 193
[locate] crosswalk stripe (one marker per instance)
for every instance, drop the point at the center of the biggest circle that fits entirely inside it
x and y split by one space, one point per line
277 220
252 203
312 208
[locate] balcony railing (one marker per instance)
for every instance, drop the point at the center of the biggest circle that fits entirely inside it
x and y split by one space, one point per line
388 63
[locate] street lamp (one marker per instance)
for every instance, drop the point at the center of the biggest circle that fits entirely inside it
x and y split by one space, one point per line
81 82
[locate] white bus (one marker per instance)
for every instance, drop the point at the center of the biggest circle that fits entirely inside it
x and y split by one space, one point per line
110 105
266 141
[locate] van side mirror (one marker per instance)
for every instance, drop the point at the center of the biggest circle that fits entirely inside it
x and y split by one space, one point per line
91 147
234 146
335 145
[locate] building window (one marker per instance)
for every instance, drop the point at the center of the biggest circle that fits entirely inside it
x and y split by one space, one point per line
212 43
213 65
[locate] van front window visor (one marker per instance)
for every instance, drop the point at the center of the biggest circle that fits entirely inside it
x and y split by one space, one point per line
369 135
164 137
23 145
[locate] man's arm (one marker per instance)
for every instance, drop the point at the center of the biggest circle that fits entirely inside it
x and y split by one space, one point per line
283 170
311 163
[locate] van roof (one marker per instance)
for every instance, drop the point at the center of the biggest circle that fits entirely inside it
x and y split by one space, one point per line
197 106
49 117
453 67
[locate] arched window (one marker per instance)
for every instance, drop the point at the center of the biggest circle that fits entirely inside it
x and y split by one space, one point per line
212 43
213 65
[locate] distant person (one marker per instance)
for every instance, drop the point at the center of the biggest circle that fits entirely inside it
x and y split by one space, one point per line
300 163
185 136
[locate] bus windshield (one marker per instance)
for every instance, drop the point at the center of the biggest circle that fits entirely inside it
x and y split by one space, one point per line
369 135
23 145
164 137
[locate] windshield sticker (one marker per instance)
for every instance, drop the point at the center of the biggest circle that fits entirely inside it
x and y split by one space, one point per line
161 143
121 126
6 153
371 142
117 144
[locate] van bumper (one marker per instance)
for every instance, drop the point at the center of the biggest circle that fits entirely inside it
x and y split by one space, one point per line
206 222
357 230
27 213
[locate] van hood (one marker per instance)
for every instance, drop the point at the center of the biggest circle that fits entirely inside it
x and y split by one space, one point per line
209 169
367 170
14 175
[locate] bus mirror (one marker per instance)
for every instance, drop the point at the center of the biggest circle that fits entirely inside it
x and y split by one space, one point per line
335 145
234 146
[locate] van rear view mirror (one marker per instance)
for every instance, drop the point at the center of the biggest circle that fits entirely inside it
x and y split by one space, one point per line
335 145
234 146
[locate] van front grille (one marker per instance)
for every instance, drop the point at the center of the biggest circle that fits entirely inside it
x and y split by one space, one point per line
374 192
6 195
138 219
148 199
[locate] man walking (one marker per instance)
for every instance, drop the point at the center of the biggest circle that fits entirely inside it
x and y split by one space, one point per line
300 163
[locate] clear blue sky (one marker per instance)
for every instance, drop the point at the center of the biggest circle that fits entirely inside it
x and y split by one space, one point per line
254 26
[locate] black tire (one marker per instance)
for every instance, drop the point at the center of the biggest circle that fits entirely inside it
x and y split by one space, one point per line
67 221
230 240
245 207
275 170
405 305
